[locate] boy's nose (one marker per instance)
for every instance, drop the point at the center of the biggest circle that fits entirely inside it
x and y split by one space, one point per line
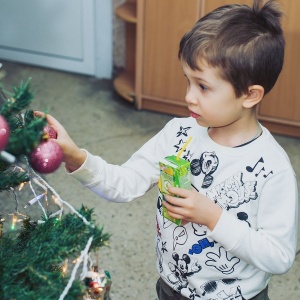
190 97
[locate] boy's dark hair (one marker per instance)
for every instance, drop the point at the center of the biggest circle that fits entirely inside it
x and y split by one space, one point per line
246 44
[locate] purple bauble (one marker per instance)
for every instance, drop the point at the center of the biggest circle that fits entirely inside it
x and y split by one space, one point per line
4 133
47 157
50 132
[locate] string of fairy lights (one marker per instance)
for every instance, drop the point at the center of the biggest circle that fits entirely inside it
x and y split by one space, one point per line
49 192
21 160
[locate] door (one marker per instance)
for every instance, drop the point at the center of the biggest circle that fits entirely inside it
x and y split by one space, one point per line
58 34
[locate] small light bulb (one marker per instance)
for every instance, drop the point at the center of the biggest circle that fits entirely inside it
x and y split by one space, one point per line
75 260
64 268
14 221
21 186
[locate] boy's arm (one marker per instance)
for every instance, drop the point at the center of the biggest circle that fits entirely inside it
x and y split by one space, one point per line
113 182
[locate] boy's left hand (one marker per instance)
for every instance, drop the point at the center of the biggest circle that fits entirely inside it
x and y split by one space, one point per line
192 206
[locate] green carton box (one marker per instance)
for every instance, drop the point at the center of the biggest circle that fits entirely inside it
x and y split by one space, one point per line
174 172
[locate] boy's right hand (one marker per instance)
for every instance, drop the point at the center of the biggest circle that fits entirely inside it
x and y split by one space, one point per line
73 156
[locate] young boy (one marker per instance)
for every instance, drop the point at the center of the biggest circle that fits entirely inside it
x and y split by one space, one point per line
240 218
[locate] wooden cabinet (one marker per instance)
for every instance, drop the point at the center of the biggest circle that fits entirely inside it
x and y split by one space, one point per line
125 83
153 78
280 110
163 83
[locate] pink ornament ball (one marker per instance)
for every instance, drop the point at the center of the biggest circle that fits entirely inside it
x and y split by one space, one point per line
50 132
47 157
4 133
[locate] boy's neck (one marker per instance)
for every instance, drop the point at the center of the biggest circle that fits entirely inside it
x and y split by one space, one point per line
234 135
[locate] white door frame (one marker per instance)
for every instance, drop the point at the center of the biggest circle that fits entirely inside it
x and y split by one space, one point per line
104 39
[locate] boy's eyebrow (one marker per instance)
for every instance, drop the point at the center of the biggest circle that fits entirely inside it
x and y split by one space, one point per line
201 79
198 78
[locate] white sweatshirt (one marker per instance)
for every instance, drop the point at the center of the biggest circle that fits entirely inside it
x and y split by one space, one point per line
255 185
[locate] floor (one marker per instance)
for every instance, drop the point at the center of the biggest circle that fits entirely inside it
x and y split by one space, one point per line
106 125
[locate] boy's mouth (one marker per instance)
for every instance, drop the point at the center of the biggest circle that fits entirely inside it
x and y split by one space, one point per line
194 115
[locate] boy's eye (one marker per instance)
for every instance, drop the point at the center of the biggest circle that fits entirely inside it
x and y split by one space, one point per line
203 87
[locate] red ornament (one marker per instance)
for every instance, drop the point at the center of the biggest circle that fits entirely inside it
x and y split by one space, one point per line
50 132
47 157
94 285
4 133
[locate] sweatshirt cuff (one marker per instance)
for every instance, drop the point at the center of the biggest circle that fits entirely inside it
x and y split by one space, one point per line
88 173
228 231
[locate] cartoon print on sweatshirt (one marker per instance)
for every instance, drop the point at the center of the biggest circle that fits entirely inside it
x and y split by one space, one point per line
223 262
233 192
206 165
159 205
180 236
199 229
223 289
234 293
193 294
181 270
201 245
159 256
243 217
160 247
183 131
166 222
211 286
179 145
187 155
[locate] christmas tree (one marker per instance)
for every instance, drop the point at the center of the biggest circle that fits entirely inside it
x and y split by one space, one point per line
46 245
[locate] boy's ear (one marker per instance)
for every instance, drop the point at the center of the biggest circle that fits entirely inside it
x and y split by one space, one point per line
254 96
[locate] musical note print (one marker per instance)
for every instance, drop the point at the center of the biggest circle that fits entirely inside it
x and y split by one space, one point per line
251 169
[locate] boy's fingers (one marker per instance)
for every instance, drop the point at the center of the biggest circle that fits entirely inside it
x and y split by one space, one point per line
50 120
178 191
173 210
39 113
175 201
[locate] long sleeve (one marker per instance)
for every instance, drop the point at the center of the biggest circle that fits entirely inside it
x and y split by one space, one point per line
271 246
130 180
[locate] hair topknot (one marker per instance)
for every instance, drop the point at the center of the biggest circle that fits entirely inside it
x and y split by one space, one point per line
269 14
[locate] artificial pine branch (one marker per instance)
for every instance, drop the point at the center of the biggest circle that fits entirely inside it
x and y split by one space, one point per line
11 178
26 131
20 99
25 135
30 261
